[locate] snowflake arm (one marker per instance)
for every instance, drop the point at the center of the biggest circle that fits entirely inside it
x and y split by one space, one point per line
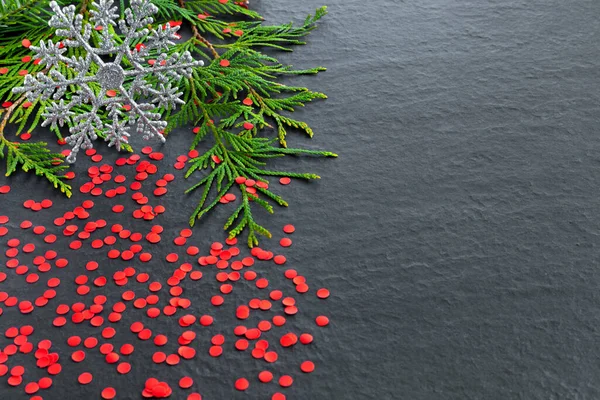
163 38
103 14
83 132
70 25
175 66
148 123
57 113
133 26
167 96
51 54
45 86
117 131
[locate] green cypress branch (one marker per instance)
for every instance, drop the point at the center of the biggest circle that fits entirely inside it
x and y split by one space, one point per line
34 157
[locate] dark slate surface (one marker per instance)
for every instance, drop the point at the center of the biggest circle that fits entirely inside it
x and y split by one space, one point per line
458 230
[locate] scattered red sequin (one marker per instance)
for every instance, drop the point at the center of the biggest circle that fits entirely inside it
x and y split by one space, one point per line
242 384
186 382
307 366
85 378
108 393
286 381
289 228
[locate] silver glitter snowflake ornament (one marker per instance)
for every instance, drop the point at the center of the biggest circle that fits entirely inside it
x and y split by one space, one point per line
117 86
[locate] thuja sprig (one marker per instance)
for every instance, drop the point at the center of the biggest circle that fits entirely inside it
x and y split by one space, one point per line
235 160
214 102
34 157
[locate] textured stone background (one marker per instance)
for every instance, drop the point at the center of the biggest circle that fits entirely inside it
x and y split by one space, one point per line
458 229
462 217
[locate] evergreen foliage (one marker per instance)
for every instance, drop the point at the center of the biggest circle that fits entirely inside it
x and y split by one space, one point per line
236 99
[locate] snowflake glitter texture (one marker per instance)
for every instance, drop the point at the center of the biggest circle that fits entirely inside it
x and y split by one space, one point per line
109 76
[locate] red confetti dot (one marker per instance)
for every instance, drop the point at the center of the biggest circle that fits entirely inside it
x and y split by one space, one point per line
279 259
286 381
271 356
127 349
78 356
186 382
218 340
291 310
289 228
173 359
84 378
45 382
160 340
74 341
265 376
322 320
215 351
217 300
242 384
54 369
262 283
159 357
11 332
241 344
306 338
242 312
106 348
108 393
123 368
307 367
145 334
26 330
15 380
112 358
17 371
